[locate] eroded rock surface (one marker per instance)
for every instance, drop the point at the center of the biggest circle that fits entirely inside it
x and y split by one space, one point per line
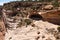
41 31
18 28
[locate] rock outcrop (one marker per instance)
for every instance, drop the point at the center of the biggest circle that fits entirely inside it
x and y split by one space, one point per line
21 24
48 7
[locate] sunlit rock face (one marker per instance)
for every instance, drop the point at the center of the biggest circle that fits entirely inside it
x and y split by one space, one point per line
11 19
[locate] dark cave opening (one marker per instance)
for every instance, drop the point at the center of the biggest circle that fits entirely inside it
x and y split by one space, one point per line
35 17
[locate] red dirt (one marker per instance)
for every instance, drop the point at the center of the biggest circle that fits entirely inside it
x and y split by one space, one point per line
53 17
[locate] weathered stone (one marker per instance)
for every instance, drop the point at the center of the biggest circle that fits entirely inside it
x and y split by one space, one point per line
48 7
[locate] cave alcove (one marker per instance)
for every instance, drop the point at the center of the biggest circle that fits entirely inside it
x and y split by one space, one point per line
35 17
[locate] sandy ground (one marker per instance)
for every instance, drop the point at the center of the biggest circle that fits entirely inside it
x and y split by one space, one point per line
39 32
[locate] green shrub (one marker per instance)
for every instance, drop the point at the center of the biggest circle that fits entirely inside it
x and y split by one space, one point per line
56 4
28 21
24 22
21 23
58 29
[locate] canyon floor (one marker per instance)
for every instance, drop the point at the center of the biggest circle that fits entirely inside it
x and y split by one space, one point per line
20 14
42 30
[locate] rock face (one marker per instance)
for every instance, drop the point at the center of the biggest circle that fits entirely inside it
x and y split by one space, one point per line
52 17
15 15
26 10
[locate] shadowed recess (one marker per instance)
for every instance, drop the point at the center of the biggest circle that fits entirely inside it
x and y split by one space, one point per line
35 17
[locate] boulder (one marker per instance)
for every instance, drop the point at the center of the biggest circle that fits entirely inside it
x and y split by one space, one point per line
48 7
